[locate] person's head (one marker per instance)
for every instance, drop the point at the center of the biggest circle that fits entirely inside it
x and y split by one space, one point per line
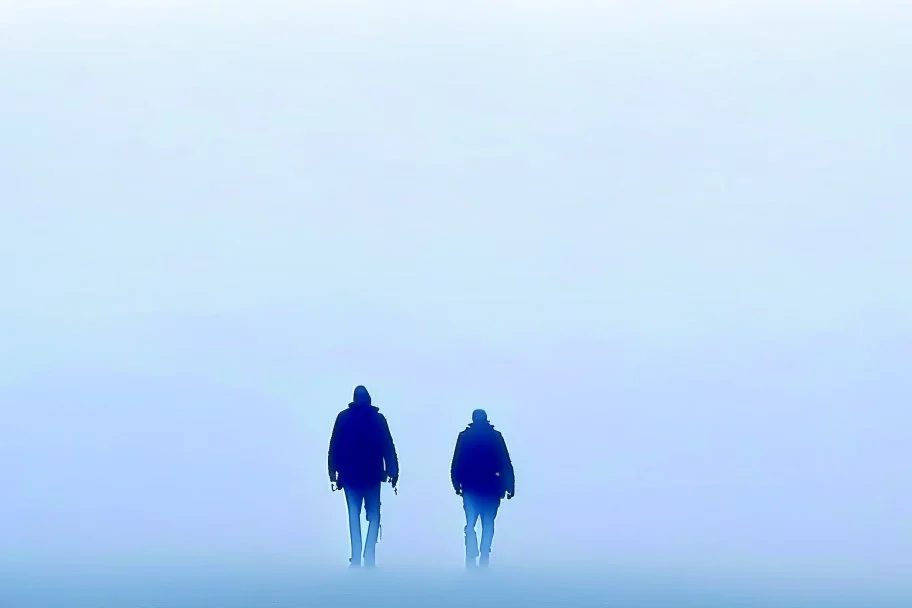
361 396
479 416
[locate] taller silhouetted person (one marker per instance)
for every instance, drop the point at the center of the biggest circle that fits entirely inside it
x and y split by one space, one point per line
362 456
482 473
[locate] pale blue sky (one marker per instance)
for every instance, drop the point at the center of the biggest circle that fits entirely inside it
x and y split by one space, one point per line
669 256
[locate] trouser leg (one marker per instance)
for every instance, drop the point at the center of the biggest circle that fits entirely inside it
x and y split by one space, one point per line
354 499
372 509
472 514
488 515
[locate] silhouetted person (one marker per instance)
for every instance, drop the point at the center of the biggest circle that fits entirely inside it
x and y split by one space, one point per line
362 456
481 473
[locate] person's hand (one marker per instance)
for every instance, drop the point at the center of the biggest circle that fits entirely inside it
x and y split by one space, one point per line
394 481
510 495
458 491
335 485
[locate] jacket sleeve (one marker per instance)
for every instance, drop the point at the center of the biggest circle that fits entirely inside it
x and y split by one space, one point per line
333 455
454 466
506 467
390 458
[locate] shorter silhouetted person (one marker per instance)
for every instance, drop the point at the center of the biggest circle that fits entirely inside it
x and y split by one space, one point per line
362 456
482 473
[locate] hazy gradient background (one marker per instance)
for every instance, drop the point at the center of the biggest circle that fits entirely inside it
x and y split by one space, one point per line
667 250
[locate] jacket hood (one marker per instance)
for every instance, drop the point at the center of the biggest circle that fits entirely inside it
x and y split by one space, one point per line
363 406
361 396
480 426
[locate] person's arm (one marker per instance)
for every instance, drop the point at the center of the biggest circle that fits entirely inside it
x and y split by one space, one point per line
506 469
454 466
333 452
391 459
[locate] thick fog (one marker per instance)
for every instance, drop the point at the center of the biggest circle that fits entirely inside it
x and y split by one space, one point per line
668 253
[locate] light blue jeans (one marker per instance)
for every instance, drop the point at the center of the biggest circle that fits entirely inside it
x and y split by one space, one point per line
370 498
485 508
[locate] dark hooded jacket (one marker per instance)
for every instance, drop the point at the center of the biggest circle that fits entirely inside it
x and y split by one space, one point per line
361 448
481 462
